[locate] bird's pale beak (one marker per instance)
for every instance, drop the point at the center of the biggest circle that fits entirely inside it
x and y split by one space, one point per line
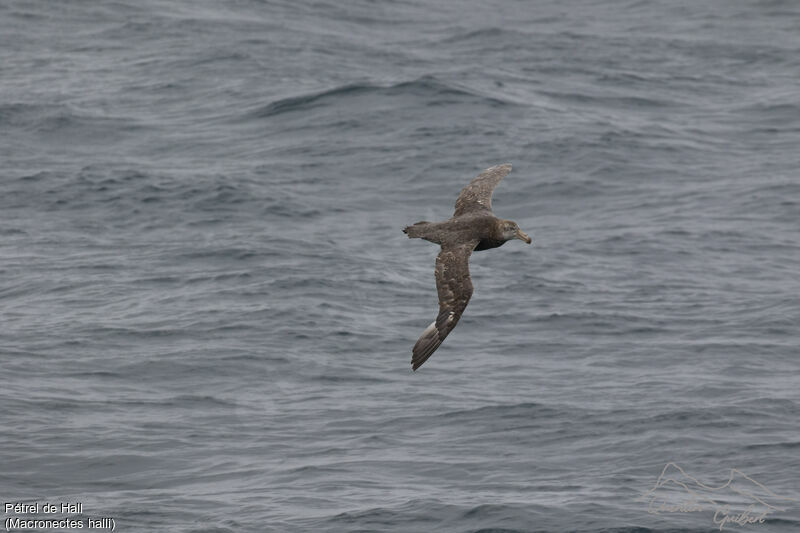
521 235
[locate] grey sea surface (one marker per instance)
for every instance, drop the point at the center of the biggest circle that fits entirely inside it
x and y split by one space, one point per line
208 305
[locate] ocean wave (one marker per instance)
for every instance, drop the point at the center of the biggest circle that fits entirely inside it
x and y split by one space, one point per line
138 193
605 101
425 87
520 410
53 119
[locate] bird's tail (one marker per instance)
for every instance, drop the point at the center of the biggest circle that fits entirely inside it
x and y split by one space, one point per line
421 230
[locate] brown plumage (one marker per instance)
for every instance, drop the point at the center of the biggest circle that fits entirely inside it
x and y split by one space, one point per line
473 226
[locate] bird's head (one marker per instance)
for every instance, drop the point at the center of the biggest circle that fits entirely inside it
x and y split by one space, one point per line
511 231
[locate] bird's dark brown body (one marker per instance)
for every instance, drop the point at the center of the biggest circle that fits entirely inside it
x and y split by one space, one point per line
473 226
457 230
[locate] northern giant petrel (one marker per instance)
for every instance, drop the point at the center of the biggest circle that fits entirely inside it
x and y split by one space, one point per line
473 226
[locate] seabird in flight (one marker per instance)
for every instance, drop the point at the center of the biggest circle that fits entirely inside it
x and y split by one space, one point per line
473 226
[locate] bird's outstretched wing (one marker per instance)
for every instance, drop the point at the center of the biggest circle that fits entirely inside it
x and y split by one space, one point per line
478 194
455 289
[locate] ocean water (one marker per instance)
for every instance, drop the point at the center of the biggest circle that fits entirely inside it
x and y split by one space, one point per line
208 305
